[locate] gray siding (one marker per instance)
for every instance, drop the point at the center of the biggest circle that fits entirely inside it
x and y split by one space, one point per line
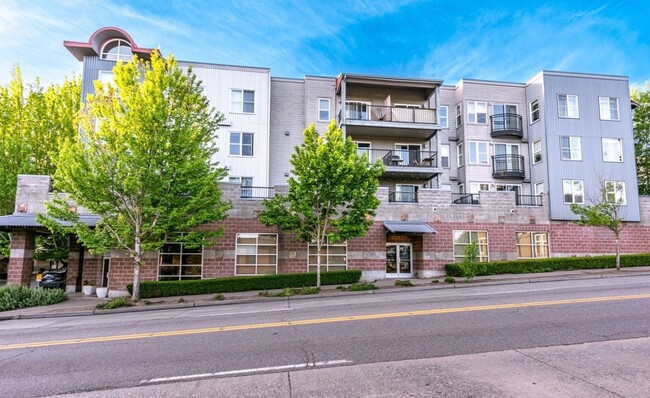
315 88
287 115
91 68
591 169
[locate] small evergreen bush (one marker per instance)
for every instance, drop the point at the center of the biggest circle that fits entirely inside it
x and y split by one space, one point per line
13 297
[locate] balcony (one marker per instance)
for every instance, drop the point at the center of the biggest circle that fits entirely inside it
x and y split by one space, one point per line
465 199
403 197
403 163
256 192
528 200
508 166
363 119
507 125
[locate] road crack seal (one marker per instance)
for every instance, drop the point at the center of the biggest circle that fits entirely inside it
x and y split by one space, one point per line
309 356
568 373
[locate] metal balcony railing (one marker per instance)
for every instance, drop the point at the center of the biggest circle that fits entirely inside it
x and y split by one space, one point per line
403 197
381 113
256 192
465 199
508 166
528 200
507 124
400 157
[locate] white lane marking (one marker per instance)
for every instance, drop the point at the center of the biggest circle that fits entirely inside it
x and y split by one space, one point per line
248 371
193 315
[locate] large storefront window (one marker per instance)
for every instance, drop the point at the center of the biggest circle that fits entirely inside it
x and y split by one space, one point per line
462 239
333 257
256 254
532 244
177 261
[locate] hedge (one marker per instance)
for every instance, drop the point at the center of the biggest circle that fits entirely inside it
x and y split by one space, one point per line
13 297
151 289
551 264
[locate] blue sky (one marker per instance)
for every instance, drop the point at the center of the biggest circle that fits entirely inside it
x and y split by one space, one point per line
447 40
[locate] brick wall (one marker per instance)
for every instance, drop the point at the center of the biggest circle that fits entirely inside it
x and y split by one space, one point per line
21 263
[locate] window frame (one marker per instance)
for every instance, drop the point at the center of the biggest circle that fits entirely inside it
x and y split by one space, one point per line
571 149
532 112
326 246
568 107
482 186
615 191
476 113
257 253
242 102
533 245
241 145
446 147
536 187
320 110
459 114
444 117
479 153
573 192
536 152
617 157
181 253
609 109
103 55
483 256
460 155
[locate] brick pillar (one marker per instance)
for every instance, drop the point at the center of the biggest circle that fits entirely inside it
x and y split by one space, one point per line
21 258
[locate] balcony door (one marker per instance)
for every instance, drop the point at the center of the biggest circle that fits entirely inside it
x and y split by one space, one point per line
408 154
508 120
363 148
406 193
357 110
507 157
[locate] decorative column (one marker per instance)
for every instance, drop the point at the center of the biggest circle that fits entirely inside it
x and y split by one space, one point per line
21 258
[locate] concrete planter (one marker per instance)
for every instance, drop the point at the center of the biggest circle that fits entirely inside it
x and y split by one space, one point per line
102 292
88 290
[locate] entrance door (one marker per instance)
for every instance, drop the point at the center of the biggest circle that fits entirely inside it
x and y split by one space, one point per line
106 264
398 260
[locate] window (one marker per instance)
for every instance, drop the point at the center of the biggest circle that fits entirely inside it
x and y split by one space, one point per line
509 188
324 109
476 187
478 152
571 148
573 191
446 187
256 254
532 245
241 144
444 155
116 50
242 101
537 151
405 193
246 183
476 112
568 106
332 256
612 150
358 110
461 188
534 110
460 154
179 261
539 188
462 239
615 192
443 117
608 108
459 115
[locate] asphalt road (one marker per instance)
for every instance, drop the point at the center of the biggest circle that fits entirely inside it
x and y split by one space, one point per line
161 351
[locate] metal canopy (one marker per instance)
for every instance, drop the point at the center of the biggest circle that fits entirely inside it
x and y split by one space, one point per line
408 227
28 220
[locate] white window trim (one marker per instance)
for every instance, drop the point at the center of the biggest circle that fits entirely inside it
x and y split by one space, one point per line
325 252
571 149
609 109
180 265
460 155
329 109
541 155
618 157
257 244
119 56
535 187
623 194
478 185
573 193
448 155
530 111
461 188
487 153
241 144
446 118
533 244
568 115
496 187
476 113
484 258
242 101
459 114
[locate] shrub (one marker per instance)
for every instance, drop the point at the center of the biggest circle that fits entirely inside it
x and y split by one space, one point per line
403 283
13 297
470 261
357 287
551 264
219 297
291 291
450 279
150 289
115 303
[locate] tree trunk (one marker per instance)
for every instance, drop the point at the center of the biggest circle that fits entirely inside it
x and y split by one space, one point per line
137 262
618 254
318 266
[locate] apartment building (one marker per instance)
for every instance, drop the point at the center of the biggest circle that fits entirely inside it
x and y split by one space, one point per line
496 163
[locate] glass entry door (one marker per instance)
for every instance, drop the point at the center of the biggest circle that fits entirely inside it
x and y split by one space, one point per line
398 260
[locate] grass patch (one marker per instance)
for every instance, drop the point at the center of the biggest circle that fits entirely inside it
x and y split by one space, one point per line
450 279
117 302
358 287
291 291
435 281
219 297
13 297
403 283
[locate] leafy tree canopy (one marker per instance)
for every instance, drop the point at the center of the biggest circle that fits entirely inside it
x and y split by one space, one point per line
642 137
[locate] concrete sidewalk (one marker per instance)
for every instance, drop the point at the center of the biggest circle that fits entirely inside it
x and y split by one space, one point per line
78 304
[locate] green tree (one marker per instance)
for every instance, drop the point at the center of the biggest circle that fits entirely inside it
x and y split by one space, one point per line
642 137
143 163
331 193
605 211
